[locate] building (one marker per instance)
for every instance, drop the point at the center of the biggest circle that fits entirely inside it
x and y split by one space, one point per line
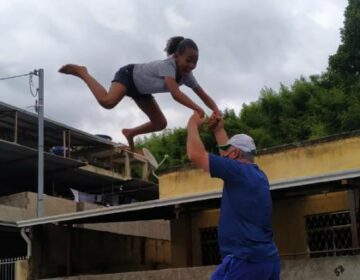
315 190
82 172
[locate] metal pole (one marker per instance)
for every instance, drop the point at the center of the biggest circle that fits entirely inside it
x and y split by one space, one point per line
16 128
352 195
40 106
64 143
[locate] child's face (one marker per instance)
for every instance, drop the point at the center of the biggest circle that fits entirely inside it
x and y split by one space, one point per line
186 62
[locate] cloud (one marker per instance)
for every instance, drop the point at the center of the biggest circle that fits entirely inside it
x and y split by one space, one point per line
244 47
175 20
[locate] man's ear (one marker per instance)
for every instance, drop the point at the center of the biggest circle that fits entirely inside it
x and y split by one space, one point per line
238 153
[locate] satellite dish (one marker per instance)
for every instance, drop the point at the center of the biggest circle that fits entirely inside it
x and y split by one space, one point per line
152 160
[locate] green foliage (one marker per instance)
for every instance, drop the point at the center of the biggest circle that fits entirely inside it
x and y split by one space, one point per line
310 108
170 142
350 118
344 66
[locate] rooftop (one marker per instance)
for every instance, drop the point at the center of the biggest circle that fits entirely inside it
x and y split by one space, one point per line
72 159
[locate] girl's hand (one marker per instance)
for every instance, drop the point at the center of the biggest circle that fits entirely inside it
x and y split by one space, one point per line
215 121
217 113
201 112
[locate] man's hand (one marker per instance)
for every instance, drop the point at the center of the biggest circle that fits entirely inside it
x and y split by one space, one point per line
195 147
196 119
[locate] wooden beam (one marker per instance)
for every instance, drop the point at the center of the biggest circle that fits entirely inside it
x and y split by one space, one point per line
127 165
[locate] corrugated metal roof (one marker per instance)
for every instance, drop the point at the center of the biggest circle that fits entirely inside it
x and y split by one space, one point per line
53 131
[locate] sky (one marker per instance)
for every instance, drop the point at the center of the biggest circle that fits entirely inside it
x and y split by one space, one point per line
244 46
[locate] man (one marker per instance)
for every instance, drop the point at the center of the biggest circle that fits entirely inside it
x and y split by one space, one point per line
245 228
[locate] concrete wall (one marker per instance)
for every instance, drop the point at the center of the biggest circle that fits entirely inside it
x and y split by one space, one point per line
107 247
11 214
197 273
26 203
289 218
312 159
158 229
21 270
22 206
339 268
61 250
19 200
288 222
187 182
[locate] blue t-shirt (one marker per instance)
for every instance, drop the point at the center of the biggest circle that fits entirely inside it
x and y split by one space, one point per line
245 227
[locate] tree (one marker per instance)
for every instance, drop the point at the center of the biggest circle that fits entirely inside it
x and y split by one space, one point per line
344 66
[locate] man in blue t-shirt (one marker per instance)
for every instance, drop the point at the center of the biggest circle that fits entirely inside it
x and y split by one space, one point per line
245 228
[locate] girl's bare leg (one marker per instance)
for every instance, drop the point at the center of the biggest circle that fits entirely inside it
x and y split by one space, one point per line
157 120
106 99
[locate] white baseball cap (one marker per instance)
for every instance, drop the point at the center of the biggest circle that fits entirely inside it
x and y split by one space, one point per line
241 141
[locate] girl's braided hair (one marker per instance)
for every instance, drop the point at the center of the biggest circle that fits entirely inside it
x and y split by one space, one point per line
179 44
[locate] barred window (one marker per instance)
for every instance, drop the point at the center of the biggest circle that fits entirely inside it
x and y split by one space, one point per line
209 246
329 234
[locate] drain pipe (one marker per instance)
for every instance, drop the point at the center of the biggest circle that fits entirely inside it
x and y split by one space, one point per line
28 242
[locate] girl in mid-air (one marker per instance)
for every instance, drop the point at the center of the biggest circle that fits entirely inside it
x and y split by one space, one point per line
140 81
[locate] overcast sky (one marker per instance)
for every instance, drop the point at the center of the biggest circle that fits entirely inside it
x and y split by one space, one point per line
244 46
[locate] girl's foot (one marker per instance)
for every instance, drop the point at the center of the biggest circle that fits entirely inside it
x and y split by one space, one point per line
129 138
73 69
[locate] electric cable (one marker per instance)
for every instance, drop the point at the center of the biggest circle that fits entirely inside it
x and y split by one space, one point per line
16 76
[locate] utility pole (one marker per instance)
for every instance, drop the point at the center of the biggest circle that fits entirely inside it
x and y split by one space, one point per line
40 111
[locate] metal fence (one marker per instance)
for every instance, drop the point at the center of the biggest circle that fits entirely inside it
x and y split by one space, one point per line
209 246
8 268
329 234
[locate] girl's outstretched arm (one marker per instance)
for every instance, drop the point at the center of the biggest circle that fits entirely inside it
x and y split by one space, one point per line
180 97
206 99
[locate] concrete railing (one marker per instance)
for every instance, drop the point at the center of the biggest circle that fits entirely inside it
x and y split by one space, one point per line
337 268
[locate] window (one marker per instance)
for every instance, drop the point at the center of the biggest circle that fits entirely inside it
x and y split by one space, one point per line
329 234
209 246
